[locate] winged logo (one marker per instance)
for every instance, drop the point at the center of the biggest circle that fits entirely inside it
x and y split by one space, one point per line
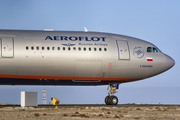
69 44
138 52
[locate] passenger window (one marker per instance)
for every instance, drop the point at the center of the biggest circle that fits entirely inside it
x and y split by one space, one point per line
74 48
105 49
48 48
79 49
53 48
37 48
64 48
84 49
149 49
99 49
154 50
32 48
58 48
42 48
94 49
27 47
69 48
89 49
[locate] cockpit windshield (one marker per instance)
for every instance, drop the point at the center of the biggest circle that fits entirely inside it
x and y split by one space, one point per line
158 49
149 49
153 49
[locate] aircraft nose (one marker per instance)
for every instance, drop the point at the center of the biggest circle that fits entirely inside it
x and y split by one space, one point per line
170 62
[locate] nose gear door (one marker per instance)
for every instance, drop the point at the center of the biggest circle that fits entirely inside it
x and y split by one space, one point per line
123 49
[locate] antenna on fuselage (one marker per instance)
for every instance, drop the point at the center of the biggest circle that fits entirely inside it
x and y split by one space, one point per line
85 29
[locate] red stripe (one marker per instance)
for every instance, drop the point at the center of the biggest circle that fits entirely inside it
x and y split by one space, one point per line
66 78
149 60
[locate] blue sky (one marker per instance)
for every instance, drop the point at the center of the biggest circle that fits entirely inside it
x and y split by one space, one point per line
150 20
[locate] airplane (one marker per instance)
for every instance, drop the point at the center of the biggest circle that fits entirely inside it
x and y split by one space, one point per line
47 57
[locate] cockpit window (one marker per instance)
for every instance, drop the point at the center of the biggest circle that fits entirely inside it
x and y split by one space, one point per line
149 49
158 49
154 50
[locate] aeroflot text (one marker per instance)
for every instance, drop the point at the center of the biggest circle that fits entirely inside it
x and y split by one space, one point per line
75 38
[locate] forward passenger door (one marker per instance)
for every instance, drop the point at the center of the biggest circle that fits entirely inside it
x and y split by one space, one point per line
7 47
123 50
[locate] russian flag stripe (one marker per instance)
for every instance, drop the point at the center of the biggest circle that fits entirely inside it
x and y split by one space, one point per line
149 59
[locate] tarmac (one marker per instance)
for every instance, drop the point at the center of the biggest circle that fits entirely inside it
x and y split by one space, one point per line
91 105
129 111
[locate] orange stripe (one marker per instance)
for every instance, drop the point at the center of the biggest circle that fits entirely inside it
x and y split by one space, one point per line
65 78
